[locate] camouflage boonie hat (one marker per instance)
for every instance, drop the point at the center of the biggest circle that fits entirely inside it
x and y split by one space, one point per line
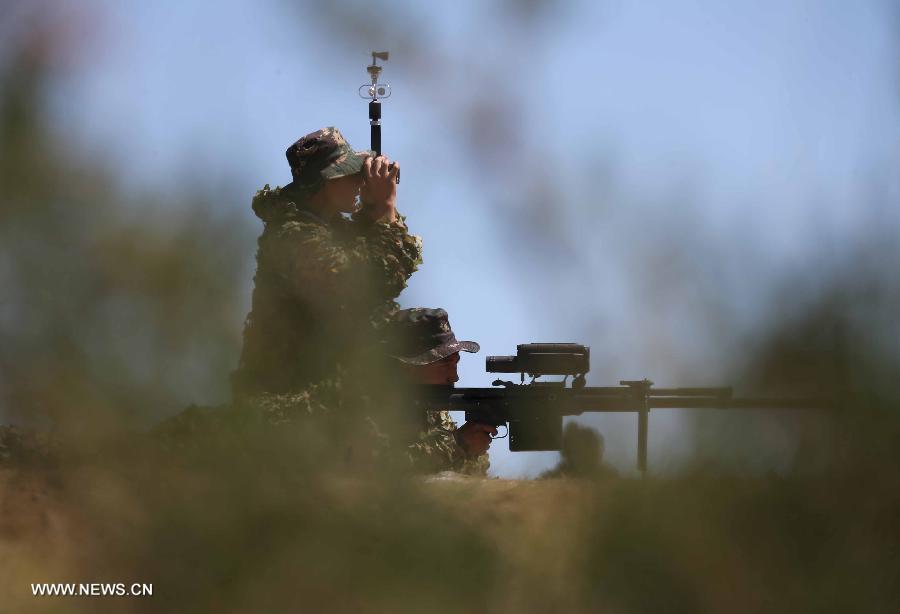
421 336
321 155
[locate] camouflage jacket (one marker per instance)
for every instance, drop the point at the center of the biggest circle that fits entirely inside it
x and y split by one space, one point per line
358 428
321 291
437 450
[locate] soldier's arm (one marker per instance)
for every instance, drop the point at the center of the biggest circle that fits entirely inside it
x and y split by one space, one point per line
438 450
389 246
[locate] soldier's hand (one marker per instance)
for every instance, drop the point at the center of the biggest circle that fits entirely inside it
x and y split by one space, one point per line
475 437
379 191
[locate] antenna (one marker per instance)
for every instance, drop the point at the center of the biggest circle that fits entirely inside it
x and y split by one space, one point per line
373 91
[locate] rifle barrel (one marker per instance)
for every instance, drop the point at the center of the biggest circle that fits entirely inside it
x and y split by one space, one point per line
613 399
779 403
537 401
623 399
724 391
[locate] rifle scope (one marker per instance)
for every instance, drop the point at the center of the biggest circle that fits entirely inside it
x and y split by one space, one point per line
543 359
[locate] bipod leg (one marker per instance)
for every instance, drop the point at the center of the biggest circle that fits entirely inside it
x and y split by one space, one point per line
643 427
640 389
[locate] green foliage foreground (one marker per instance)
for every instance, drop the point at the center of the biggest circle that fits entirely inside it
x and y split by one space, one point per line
250 521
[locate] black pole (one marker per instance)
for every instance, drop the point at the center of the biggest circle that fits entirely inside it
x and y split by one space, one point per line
373 91
375 121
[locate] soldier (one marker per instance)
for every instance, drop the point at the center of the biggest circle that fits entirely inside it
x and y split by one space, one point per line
428 351
324 283
367 417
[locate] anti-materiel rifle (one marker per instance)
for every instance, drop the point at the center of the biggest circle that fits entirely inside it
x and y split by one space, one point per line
533 413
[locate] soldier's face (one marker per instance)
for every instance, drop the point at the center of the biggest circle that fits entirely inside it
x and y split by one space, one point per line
441 372
342 192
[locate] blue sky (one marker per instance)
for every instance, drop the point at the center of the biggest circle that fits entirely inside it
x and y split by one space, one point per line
683 146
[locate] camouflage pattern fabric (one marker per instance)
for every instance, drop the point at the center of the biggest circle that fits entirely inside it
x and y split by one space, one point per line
437 449
363 430
422 335
322 155
322 290
338 424
314 427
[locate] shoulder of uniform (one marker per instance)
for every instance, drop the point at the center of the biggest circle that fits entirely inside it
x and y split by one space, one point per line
275 205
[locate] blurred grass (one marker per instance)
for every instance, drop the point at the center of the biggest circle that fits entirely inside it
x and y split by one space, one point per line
116 308
261 533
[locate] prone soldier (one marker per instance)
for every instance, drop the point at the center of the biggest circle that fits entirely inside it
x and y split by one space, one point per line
428 352
367 417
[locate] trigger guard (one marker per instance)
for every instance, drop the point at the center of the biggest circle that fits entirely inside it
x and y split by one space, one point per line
504 434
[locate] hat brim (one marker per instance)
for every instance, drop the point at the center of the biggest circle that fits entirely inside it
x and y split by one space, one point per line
346 165
439 353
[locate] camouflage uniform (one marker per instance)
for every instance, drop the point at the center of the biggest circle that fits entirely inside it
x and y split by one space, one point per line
362 430
338 422
422 336
368 413
322 287
437 449
323 290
